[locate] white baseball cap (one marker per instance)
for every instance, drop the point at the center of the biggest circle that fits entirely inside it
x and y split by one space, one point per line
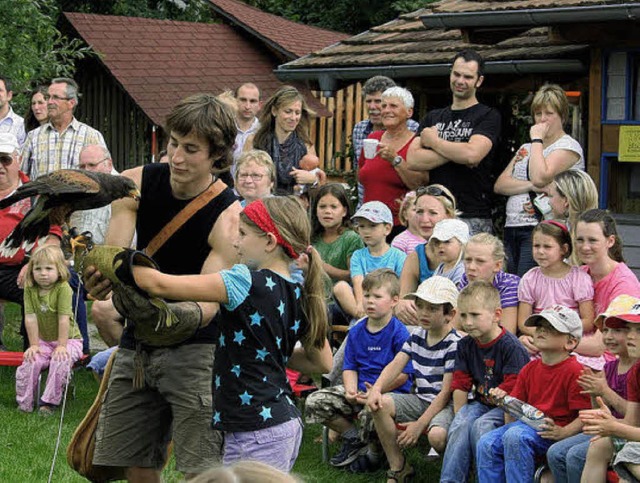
450 228
8 143
436 290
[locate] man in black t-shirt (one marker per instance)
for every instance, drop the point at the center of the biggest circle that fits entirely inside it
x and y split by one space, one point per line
457 144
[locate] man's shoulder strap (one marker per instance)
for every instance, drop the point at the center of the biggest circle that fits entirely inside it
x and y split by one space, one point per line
183 216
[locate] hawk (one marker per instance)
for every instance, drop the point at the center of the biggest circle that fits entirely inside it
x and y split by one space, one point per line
59 194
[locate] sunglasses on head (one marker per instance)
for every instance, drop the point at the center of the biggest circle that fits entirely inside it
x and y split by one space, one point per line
435 191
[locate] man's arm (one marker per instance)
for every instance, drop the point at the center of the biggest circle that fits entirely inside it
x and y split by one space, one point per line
124 212
420 158
469 154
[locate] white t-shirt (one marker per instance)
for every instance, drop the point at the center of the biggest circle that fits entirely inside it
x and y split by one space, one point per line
519 210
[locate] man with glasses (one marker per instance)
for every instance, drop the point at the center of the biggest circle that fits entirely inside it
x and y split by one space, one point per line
98 159
9 121
10 179
457 144
57 143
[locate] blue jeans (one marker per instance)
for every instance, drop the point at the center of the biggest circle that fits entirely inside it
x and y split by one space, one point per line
517 244
567 457
472 421
509 453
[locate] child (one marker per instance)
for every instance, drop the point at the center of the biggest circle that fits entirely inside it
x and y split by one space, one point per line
409 239
432 351
372 344
262 316
374 222
330 230
566 458
555 282
483 259
54 338
448 239
550 384
610 434
488 357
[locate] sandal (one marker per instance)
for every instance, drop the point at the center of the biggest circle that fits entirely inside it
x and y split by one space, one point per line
400 476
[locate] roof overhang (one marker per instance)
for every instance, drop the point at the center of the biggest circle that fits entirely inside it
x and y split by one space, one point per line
532 17
327 78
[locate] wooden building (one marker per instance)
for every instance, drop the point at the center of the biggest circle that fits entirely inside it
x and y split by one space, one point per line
591 47
145 66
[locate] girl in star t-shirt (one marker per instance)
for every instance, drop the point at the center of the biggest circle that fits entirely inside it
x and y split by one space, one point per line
263 314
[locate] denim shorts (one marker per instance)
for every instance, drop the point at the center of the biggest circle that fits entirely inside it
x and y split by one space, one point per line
276 446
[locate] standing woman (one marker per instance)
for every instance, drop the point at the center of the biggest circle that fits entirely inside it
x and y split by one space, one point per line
534 166
284 134
599 247
386 177
37 114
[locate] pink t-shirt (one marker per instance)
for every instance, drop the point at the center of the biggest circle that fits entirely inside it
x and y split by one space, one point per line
621 281
542 292
407 241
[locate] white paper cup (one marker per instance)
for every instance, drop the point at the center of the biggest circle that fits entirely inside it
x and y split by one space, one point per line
370 147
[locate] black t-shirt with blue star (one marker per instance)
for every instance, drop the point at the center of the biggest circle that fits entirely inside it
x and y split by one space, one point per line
256 334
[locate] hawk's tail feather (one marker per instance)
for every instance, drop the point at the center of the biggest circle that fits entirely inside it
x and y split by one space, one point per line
24 235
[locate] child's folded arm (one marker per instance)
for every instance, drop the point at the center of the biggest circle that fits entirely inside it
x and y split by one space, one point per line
391 372
460 398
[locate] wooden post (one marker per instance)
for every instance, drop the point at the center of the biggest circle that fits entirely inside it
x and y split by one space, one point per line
338 134
595 115
331 105
358 107
322 137
349 125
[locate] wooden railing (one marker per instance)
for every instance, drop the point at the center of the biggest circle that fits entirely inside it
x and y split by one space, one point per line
332 135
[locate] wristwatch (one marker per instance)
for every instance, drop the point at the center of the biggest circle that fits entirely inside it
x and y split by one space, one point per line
396 161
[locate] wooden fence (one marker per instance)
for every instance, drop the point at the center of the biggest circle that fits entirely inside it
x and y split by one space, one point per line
332 135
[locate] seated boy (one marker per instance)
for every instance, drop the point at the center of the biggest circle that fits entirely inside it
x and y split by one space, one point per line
432 351
372 344
551 385
613 437
373 222
488 357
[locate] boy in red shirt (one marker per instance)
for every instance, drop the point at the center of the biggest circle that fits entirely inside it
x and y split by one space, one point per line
550 384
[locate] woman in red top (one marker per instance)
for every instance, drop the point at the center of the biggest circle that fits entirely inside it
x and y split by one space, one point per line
386 177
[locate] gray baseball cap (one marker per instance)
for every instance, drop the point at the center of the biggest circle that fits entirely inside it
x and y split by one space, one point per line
375 212
561 318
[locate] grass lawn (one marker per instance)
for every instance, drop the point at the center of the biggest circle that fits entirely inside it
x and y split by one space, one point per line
27 441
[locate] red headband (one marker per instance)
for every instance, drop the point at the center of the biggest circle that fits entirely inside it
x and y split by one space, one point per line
558 224
257 212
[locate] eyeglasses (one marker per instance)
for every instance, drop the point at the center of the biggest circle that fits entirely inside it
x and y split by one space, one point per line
92 165
6 160
435 191
55 98
254 177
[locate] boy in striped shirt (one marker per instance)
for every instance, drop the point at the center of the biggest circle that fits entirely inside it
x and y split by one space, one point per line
432 350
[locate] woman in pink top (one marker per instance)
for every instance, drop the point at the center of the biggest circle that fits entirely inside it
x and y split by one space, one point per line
600 249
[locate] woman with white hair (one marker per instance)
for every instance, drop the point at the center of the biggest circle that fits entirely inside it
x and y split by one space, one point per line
386 177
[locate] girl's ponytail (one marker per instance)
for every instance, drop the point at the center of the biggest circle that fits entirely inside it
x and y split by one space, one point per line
313 302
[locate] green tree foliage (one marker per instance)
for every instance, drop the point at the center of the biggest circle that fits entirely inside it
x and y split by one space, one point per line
187 10
349 16
32 49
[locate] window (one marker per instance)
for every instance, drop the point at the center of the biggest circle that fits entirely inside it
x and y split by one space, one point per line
622 87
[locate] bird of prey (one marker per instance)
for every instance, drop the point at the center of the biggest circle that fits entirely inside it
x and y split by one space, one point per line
59 194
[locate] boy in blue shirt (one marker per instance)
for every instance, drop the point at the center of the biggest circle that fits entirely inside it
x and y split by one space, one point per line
373 222
432 351
489 356
371 345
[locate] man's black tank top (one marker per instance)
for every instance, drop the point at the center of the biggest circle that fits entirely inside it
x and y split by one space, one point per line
186 250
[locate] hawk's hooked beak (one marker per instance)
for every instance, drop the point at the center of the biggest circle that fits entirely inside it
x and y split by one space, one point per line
135 194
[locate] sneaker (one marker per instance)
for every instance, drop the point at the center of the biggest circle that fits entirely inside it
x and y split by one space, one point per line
350 450
366 463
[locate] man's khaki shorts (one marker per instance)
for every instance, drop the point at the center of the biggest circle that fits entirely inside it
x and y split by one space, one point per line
135 426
